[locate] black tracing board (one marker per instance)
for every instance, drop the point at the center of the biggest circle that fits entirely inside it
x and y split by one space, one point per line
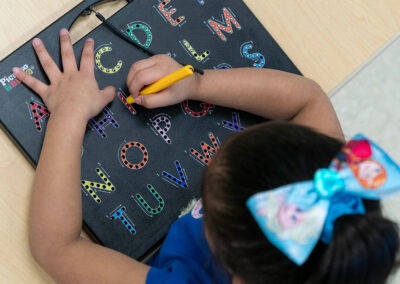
141 167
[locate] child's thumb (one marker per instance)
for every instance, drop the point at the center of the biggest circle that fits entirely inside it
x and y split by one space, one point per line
108 94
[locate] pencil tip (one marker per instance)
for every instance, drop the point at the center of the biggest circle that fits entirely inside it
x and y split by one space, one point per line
130 100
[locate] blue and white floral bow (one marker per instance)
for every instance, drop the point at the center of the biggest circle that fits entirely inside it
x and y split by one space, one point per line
294 217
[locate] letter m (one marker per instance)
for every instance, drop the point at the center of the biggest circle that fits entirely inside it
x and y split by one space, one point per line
225 25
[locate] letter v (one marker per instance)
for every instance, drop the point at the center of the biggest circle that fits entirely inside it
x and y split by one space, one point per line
181 181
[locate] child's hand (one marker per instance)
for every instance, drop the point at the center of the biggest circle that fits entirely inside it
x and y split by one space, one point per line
148 71
72 91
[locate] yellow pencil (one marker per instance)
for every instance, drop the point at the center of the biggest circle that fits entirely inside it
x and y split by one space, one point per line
165 82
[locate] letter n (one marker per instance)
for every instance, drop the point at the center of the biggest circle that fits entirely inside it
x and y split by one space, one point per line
92 187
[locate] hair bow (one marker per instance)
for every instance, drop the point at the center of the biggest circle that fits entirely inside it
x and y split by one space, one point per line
294 217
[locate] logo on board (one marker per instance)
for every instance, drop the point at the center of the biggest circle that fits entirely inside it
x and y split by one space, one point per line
10 82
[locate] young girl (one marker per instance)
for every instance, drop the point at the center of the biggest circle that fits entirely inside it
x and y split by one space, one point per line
232 246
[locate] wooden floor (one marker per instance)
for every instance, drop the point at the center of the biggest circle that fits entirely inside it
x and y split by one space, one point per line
326 39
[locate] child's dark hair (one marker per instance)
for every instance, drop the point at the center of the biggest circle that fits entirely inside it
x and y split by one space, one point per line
363 249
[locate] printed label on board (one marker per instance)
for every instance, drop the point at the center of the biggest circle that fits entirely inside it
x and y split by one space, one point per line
10 82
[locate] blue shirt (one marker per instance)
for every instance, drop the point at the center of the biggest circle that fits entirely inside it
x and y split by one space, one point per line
185 256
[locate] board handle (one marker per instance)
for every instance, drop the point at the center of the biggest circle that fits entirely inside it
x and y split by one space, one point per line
91 9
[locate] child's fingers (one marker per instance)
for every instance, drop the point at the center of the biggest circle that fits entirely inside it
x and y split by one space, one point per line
108 94
143 78
48 64
152 101
87 59
67 52
140 65
37 86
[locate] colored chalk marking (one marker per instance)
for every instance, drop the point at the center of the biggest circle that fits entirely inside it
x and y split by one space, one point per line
139 165
181 181
207 150
39 113
225 25
197 211
257 58
196 55
140 26
120 214
201 2
145 205
169 12
157 123
235 124
92 187
206 108
102 123
100 66
122 98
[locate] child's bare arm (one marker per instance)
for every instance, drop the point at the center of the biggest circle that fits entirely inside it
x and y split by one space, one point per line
271 94
55 219
265 92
